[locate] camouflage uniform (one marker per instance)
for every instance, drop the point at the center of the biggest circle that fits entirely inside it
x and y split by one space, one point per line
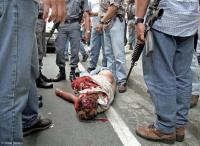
40 34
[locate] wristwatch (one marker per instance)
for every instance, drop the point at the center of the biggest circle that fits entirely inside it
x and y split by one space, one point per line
138 20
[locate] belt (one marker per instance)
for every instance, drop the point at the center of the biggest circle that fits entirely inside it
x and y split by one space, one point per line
121 17
69 21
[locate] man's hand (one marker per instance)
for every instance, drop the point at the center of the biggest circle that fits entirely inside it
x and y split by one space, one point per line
140 28
58 8
87 36
99 28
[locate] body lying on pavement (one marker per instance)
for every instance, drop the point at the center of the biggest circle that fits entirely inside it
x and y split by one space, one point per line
93 94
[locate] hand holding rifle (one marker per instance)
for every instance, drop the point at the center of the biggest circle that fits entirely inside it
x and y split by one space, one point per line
153 14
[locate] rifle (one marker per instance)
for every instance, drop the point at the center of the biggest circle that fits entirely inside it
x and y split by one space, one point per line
153 14
55 26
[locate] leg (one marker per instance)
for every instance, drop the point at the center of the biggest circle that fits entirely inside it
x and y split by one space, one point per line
109 52
195 80
40 40
42 81
119 50
60 45
95 48
30 113
130 34
66 52
182 64
74 37
104 60
15 59
30 119
83 52
160 78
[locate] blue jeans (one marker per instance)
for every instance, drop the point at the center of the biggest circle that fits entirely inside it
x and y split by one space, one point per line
131 32
17 49
115 51
168 77
82 49
97 43
195 75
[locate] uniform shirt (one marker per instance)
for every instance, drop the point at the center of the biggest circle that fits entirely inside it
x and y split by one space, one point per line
180 17
94 6
74 8
104 4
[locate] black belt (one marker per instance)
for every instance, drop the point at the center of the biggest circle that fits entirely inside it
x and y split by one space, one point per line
69 21
121 17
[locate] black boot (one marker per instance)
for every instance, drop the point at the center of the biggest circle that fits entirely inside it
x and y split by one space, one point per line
61 75
42 84
72 75
45 78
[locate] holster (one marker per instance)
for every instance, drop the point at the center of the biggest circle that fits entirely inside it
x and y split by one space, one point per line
121 17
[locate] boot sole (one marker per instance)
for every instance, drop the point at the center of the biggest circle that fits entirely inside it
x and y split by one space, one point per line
36 130
166 141
54 80
45 87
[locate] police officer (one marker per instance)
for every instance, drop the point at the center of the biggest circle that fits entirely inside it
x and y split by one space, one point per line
42 81
70 29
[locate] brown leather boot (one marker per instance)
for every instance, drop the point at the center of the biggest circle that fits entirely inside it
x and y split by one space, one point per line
180 134
194 101
152 134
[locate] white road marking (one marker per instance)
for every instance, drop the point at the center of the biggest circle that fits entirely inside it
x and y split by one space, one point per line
81 67
122 130
119 126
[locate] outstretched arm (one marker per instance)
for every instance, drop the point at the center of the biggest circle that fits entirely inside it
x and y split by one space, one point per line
69 97
66 95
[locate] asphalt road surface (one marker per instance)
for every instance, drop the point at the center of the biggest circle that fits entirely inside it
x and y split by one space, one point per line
128 111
